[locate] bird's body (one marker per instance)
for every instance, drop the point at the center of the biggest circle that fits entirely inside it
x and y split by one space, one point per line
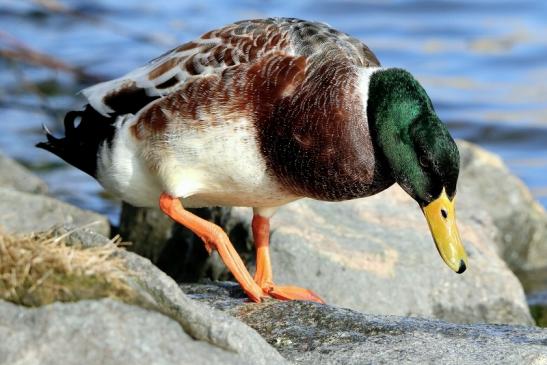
210 135
258 113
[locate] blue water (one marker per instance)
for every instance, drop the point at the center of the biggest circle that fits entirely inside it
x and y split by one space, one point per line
484 64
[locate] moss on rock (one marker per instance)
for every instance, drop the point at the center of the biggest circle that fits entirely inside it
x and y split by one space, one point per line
539 313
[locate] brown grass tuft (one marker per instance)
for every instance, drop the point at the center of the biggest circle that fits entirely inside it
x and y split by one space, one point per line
40 269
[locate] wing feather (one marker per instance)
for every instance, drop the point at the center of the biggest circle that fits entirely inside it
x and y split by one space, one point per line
215 51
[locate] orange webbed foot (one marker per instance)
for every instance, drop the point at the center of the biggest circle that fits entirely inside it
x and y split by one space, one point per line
288 292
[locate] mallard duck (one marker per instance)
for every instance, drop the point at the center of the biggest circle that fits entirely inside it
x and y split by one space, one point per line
260 113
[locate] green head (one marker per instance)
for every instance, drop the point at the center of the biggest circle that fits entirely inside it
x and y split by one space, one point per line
422 156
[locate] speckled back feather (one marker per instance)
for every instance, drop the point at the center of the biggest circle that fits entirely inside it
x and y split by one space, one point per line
239 43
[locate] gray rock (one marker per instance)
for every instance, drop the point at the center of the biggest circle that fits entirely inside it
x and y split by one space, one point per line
308 333
15 176
200 322
146 229
487 184
100 332
24 213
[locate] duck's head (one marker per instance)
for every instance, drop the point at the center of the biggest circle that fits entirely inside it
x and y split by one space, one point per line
421 155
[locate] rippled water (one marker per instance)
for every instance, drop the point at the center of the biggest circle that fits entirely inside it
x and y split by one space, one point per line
484 64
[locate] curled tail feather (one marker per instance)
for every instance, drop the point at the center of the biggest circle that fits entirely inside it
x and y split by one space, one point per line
80 145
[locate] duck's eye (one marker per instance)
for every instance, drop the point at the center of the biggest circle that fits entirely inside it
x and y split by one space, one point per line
424 161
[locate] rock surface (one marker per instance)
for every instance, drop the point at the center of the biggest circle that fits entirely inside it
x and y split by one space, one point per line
25 213
376 255
199 321
15 176
100 333
308 333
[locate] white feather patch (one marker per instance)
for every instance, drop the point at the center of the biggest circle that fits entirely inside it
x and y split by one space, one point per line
219 166
365 74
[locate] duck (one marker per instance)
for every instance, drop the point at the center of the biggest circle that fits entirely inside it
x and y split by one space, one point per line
260 113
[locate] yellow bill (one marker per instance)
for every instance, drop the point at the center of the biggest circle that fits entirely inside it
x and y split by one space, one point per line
441 217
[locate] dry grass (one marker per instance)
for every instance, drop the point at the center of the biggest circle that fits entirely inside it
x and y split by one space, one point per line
40 269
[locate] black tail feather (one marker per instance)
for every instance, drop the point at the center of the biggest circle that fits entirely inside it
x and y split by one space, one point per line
81 143
53 144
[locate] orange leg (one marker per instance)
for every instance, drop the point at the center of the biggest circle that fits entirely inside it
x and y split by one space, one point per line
214 238
261 235
263 275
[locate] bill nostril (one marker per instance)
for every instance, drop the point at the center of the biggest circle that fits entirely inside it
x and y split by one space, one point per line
444 213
